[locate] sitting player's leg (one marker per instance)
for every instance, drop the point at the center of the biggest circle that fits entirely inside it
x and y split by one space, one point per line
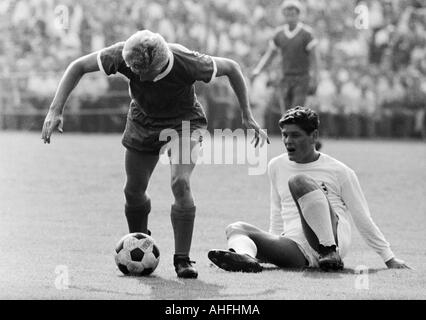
247 242
183 210
319 221
139 167
242 251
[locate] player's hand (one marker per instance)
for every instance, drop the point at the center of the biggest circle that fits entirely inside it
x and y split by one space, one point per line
395 263
54 120
259 135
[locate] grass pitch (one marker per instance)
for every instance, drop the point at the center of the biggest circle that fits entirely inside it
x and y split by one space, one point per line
61 209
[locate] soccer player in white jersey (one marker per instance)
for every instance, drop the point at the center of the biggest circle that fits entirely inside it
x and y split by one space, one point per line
161 85
313 197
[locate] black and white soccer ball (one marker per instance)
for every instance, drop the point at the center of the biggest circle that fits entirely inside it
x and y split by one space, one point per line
137 254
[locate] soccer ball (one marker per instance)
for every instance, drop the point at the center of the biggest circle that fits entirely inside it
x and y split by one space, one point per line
137 254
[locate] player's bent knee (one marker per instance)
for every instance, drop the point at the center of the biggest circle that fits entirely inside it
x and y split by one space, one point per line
181 187
135 196
238 227
301 184
297 180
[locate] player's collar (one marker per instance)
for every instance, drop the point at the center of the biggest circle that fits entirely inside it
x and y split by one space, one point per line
169 67
292 33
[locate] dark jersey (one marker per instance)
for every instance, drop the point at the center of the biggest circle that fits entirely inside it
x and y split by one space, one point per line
172 93
294 46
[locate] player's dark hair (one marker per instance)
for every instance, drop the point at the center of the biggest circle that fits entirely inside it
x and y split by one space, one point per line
305 118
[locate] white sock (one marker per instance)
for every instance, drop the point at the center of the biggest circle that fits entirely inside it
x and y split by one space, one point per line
242 244
316 211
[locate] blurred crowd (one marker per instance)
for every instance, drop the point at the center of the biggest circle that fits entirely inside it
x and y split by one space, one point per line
371 61
382 66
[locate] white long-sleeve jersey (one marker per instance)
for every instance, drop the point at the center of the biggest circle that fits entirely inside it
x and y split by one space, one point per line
343 191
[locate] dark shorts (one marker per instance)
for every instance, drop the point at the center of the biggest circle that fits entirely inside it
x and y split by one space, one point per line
149 135
294 90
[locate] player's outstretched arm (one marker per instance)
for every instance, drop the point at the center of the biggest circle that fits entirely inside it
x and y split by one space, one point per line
264 61
314 59
356 203
231 69
74 72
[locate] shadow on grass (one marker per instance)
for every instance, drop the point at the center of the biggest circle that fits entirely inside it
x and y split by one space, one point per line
186 289
156 288
318 273
114 293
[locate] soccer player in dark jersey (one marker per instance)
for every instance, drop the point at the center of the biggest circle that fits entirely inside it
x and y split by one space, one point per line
295 42
161 86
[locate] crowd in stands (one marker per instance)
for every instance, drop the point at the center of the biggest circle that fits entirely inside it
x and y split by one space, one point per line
372 62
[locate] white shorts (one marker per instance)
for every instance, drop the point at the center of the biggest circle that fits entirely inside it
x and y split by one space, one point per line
343 237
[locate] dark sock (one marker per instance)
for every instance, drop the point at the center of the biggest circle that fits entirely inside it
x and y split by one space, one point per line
178 257
183 225
326 250
137 217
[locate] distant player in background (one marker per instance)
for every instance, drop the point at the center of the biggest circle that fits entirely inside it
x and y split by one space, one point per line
313 197
300 61
299 58
161 85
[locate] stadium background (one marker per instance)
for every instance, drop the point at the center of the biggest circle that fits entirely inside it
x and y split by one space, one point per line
372 80
61 205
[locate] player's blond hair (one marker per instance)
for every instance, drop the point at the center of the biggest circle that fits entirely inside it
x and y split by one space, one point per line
147 50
